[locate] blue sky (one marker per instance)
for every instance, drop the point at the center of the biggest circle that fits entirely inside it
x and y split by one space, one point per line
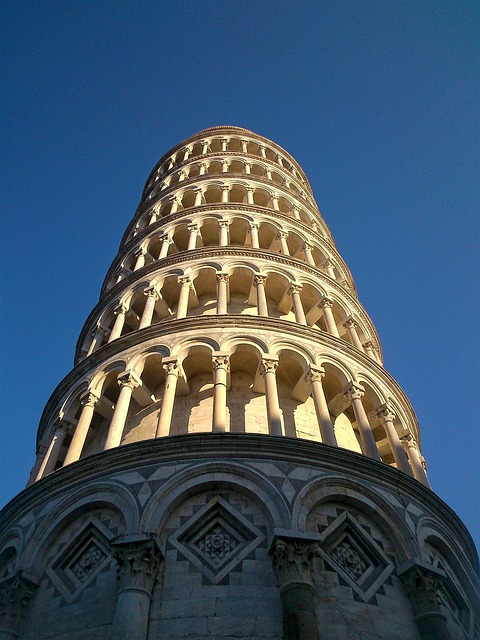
378 101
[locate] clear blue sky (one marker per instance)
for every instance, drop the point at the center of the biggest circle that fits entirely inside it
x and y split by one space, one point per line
378 101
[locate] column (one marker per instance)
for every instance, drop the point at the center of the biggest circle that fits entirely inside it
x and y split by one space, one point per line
186 154
41 453
294 292
116 331
140 256
387 418
268 173
176 202
327 304
225 191
205 147
224 142
244 144
248 168
192 240
165 240
250 192
88 402
53 451
127 381
275 201
203 168
138 557
172 371
97 340
222 293
422 583
153 216
296 212
351 327
415 459
147 315
182 176
220 363
263 151
186 284
259 281
254 235
307 250
225 166
367 441
292 562
267 369
314 377
369 349
223 226
198 197
282 236
15 594
328 265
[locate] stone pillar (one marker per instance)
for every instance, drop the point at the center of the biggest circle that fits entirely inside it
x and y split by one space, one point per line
116 331
127 381
387 418
53 451
140 256
250 192
153 216
294 292
307 250
275 201
415 460
220 363
282 236
328 265
41 453
192 239
351 327
176 202
198 197
97 340
327 432
203 168
327 304
172 371
369 349
268 368
254 235
138 558
263 151
147 315
182 308
165 246
88 402
292 562
224 142
223 232
422 583
367 441
183 175
225 164
248 168
222 293
15 594
244 144
259 281
205 147
186 154
225 191
296 212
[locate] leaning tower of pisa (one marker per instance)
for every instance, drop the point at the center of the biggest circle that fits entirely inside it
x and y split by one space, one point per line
229 458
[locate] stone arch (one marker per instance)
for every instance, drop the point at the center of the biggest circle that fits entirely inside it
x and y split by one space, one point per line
11 546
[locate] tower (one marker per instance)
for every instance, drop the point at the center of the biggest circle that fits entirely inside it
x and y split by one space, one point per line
229 457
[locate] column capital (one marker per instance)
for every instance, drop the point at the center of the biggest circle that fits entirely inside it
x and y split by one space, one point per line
354 391
120 309
138 557
295 287
225 187
254 225
350 323
422 583
327 263
164 236
281 234
315 374
89 399
128 379
368 345
99 331
222 276
307 246
260 278
198 190
193 227
140 252
292 560
268 365
176 198
152 292
202 165
224 223
15 594
220 360
171 365
184 281
386 413
326 302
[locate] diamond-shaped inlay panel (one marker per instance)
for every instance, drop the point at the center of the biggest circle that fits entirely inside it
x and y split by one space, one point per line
216 539
80 562
355 556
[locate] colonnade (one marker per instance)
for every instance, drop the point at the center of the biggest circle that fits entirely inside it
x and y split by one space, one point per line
404 450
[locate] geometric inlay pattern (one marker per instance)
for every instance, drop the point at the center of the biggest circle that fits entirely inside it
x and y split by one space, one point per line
77 565
355 556
216 539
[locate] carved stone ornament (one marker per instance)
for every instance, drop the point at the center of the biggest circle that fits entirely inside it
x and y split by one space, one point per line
292 561
15 594
220 362
222 277
138 561
422 586
268 366
315 374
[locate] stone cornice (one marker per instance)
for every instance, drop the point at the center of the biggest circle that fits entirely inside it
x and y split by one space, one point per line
216 447
206 324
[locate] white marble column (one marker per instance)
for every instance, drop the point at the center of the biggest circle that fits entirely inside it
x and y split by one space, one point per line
268 368
296 212
351 327
116 331
203 168
192 239
185 284
263 151
294 291
205 147
140 256
387 418
254 235
327 432
328 266
53 451
97 340
369 349
152 296
275 201
220 362
250 192
262 308
224 142
367 441
166 242
307 250
248 168
282 236
225 164
222 293
176 202
244 144
127 381
327 304
88 402
415 460
223 226
225 191
172 371
198 197
41 453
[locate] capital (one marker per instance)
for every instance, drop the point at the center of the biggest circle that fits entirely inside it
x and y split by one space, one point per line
259 279
224 224
295 287
422 583
151 292
368 345
220 361
222 276
171 367
140 252
354 392
129 379
120 309
193 228
138 559
184 281
315 374
292 561
350 324
15 594
254 225
268 366
385 413
326 302
306 245
89 399
99 331
225 188
282 234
